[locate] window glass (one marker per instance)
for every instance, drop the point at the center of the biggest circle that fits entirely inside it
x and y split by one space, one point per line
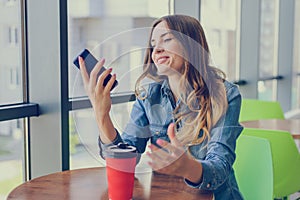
11 156
10 52
83 140
114 30
296 67
266 89
222 35
268 49
118 31
84 150
11 132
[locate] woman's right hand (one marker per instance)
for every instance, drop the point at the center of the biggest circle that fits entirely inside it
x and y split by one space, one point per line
99 95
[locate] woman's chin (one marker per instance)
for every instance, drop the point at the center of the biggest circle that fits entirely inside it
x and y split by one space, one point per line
162 70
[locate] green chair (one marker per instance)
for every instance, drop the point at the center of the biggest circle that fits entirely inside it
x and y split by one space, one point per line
285 159
253 168
254 109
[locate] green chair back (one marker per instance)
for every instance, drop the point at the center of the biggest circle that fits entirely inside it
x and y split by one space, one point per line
286 160
253 109
253 168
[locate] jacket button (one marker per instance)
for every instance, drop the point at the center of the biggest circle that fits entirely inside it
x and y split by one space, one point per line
208 185
157 132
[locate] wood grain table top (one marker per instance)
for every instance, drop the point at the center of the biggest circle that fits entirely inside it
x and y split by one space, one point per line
91 184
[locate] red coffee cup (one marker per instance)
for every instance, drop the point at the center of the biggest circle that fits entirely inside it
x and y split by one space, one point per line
120 168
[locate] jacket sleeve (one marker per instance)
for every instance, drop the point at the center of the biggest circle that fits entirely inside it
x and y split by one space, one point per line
136 132
220 155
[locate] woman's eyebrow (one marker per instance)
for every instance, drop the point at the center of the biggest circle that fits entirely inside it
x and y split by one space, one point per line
162 35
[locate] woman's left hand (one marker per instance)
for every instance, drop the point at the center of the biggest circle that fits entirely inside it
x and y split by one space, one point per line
171 158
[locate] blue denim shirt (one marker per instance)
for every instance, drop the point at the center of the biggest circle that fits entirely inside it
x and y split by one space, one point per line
150 119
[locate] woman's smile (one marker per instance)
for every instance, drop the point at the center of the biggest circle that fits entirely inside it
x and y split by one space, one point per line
162 59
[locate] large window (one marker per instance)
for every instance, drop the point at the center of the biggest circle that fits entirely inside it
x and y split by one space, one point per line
11 156
220 21
296 61
117 31
10 53
268 67
12 138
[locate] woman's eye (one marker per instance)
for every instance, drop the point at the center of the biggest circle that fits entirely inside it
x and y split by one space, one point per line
167 39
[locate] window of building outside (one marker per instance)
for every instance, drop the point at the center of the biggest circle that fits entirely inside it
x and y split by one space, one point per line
222 35
117 31
12 139
296 66
13 35
268 49
10 54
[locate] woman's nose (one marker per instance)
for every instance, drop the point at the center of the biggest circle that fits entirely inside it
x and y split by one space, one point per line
158 49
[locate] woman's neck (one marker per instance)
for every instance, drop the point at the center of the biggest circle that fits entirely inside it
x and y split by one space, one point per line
174 85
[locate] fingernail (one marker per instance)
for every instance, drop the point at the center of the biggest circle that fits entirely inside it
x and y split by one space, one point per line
159 141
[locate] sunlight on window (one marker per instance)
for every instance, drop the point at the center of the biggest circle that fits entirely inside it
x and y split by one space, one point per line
118 31
222 35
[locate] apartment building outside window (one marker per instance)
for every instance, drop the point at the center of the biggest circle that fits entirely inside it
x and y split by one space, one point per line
221 24
13 35
12 132
117 31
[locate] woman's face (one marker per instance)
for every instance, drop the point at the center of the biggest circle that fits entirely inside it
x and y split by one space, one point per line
167 51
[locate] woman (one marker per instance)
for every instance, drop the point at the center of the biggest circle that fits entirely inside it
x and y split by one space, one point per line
189 112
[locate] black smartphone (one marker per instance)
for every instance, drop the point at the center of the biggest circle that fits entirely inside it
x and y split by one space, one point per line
90 62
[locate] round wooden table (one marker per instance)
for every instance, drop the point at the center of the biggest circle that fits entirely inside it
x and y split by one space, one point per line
289 125
91 184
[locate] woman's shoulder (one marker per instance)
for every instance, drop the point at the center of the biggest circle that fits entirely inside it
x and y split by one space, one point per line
232 90
155 86
152 89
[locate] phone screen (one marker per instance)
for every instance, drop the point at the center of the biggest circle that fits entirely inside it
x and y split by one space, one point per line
90 62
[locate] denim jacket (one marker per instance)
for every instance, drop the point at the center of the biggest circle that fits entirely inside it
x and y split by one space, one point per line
150 119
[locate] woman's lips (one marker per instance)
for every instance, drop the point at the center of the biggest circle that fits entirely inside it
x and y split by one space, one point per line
161 60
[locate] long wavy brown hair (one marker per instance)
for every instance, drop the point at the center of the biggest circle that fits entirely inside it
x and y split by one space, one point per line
201 85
